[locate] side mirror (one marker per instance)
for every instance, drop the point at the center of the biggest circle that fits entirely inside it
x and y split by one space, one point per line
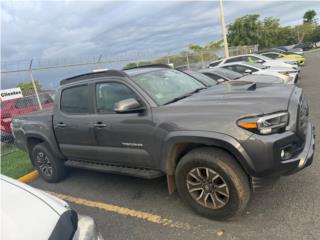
248 71
220 80
260 61
128 105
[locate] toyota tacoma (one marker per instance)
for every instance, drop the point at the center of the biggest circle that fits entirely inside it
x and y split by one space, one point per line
215 145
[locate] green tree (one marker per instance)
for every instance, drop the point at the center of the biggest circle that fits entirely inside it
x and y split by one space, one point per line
309 16
195 47
130 65
244 31
27 87
249 30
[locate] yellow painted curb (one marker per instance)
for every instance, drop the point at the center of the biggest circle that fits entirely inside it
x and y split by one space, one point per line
29 177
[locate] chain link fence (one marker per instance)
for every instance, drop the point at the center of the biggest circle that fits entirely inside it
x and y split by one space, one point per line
29 86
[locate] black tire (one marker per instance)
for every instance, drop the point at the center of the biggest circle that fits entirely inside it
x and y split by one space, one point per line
230 174
42 154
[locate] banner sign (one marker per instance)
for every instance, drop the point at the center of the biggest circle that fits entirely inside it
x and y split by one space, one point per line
12 93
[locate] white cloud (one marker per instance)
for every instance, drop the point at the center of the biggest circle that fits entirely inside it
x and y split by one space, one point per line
59 29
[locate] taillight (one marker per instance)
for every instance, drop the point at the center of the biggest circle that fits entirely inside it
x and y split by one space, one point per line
6 115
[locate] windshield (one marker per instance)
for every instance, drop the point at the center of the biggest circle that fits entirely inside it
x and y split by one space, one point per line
203 78
257 65
229 74
166 84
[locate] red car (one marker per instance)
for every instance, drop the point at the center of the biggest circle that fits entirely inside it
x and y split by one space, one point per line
20 106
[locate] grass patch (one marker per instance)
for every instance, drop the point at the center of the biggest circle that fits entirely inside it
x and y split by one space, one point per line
15 164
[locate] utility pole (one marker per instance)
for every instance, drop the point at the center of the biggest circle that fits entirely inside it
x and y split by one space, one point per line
223 27
34 84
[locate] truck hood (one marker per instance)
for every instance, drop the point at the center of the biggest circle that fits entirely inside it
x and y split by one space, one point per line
239 98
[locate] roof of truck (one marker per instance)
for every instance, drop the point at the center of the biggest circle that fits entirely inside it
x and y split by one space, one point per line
115 73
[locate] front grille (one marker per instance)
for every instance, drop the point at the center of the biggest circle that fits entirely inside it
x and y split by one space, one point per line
303 117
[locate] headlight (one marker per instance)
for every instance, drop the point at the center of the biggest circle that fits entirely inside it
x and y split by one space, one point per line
267 124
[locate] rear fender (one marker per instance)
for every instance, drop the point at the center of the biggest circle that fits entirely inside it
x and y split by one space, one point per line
51 142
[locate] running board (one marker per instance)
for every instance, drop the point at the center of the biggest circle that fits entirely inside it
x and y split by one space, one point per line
136 172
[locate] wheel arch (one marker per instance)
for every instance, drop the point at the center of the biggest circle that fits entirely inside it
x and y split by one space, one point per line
181 143
32 139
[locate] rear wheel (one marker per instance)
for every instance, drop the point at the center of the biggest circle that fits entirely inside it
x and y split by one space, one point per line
212 183
50 168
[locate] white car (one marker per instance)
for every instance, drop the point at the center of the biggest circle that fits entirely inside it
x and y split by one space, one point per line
288 75
256 58
28 213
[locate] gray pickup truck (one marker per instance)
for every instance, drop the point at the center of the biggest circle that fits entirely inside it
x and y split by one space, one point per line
214 144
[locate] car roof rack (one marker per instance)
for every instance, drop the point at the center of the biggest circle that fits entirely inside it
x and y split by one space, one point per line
159 65
107 73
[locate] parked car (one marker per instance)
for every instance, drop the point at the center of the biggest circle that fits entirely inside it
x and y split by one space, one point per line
305 46
284 50
277 55
292 50
20 106
211 78
288 75
219 75
28 213
204 79
216 144
256 58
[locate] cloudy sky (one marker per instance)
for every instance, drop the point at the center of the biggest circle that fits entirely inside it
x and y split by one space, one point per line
72 29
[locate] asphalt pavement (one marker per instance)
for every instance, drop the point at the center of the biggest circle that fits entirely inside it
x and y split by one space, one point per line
132 208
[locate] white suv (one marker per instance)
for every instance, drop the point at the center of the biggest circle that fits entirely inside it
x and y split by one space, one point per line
256 58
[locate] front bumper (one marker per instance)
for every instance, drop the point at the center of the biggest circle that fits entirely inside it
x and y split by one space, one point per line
305 158
294 77
274 167
264 152
6 137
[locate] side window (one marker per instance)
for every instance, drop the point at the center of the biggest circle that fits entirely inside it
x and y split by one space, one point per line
253 59
235 59
108 94
21 103
271 55
240 68
75 100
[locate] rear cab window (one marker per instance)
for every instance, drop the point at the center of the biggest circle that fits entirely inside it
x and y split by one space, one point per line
75 100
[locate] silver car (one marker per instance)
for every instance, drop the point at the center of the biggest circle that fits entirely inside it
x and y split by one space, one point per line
257 58
28 213
288 75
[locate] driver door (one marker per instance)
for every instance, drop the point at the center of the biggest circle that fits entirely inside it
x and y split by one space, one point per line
124 139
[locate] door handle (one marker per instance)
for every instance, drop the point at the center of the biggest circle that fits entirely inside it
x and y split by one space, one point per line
99 125
61 125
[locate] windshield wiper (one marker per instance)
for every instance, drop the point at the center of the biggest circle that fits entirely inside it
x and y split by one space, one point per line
184 95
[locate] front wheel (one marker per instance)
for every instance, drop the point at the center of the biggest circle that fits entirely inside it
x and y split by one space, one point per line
212 183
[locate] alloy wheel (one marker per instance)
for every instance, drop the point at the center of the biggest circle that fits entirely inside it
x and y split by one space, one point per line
207 187
44 164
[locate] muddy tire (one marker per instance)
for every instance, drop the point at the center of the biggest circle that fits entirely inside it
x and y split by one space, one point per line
212 183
